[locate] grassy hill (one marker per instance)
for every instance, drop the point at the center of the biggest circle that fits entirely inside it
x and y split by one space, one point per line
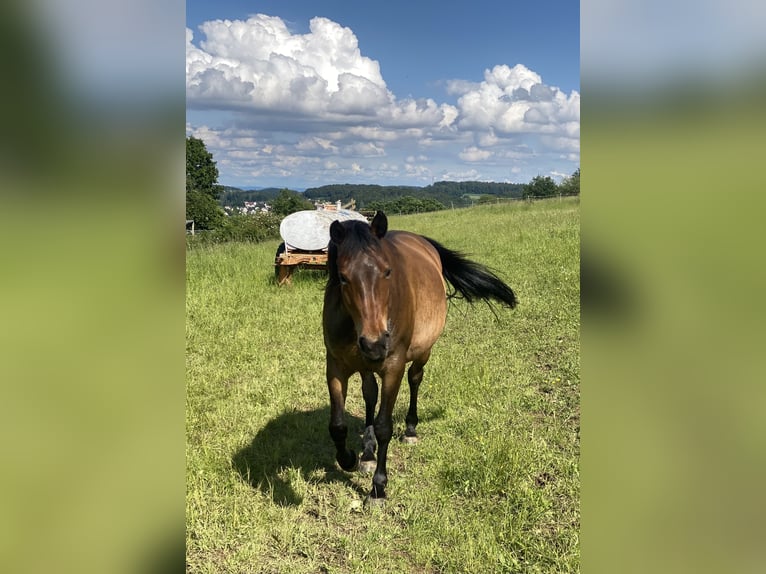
492 486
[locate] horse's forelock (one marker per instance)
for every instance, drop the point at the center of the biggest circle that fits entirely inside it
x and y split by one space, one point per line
358 238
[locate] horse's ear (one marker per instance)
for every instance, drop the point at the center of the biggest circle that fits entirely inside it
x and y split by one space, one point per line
337 232
379 224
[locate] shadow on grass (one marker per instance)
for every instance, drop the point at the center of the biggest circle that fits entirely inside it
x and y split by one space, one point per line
300 440
295 440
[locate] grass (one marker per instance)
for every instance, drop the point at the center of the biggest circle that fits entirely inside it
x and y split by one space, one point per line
493 486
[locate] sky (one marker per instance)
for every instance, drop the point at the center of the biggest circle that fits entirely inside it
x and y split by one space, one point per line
306 93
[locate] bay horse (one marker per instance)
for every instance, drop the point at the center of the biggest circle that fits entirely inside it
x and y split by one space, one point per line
385 305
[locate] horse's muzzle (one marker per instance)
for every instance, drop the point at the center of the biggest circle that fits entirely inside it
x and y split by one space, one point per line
375 351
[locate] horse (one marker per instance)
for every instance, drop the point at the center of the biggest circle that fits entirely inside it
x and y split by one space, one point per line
385 305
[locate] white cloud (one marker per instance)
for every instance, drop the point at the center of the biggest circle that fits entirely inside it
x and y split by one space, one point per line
488 139
258 65
467 175
316 144
561 143
515 101
375 133
261 62
312 109
409 113
474 154
419 171
357 95
364 149
511 79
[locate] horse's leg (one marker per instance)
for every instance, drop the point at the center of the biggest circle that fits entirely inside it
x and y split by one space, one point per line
337 384
384 428
370 393
414 377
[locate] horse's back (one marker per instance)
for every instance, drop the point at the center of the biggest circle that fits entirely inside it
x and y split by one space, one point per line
420 264
415 249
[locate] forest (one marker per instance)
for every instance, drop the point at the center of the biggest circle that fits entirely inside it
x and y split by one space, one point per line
440 193
448 193
234 196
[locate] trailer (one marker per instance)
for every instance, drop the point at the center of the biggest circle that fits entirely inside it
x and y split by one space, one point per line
305 236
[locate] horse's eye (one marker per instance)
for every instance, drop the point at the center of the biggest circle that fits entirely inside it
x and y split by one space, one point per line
388 273
343 279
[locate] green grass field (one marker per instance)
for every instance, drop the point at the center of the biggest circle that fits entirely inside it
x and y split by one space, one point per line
493 485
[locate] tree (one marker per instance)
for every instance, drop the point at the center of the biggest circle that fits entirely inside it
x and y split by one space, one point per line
201 171
540 187
203 210
571 185
289 201
202 187
406 204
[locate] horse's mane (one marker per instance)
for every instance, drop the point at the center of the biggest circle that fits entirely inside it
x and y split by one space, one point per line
358 238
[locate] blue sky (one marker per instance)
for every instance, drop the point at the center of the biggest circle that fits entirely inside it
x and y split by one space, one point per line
303 93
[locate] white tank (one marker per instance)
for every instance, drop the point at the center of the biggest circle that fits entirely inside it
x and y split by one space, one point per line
310 230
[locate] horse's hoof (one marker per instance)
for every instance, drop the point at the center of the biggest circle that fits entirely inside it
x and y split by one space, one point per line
349 463
410 439
367 466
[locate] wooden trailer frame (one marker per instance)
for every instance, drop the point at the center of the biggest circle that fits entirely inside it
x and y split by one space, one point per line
288 260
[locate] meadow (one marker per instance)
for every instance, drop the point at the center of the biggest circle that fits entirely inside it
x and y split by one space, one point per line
493 485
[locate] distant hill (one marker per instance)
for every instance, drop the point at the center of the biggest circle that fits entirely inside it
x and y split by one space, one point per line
236 197
449 193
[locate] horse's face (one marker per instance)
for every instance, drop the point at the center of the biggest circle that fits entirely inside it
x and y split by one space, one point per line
364 275
365 288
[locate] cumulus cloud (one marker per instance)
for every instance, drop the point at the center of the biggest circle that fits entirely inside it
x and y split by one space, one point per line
515 100
259 65
312 106
276 69
410 112
260 62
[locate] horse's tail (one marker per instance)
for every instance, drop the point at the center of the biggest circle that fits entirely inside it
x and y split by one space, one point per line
472 280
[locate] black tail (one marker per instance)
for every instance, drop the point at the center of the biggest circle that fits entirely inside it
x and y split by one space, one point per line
472 280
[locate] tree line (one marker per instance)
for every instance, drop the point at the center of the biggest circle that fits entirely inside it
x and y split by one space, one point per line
235 197
445 193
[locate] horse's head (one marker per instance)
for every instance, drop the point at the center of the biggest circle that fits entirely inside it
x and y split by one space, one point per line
360 266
